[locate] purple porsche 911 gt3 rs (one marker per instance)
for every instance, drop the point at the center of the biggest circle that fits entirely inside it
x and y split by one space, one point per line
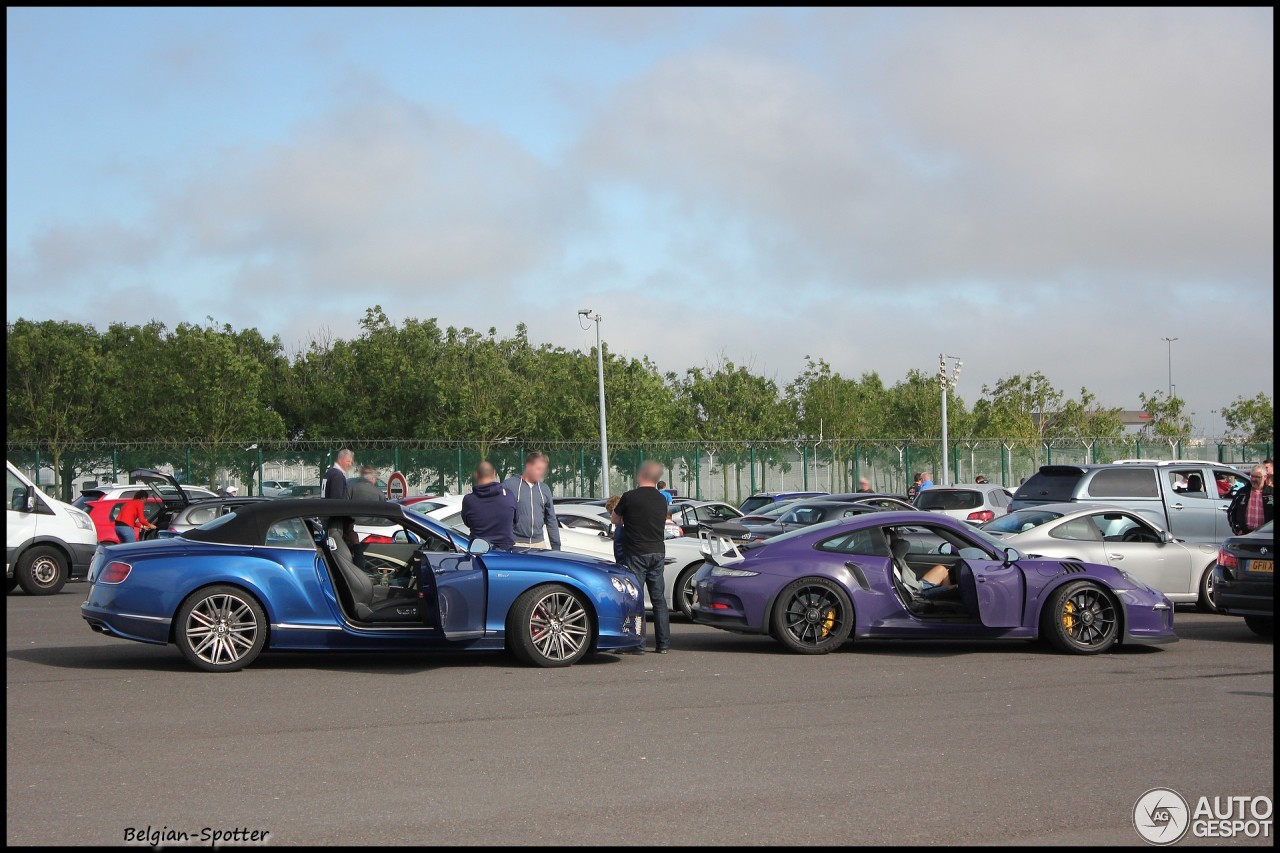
898 575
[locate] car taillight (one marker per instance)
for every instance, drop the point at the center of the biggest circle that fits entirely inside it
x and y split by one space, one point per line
982 515
1227 560
377 539
115 572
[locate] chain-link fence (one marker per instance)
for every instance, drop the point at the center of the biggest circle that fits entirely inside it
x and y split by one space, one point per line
727 471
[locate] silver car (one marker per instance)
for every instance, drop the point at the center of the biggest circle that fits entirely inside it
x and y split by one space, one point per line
1113 536
972 502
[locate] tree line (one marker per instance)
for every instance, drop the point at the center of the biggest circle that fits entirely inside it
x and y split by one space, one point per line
209 385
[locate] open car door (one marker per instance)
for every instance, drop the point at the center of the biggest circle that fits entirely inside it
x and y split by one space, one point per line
455 588
163 487
998 587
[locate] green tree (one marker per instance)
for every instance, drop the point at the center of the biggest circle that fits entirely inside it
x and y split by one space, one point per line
1168 419
1251 420
52 388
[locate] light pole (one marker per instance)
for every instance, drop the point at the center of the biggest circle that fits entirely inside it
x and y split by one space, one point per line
585 313
1170 341
947 384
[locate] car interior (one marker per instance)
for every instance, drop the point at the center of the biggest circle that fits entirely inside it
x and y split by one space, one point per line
385 591
917 549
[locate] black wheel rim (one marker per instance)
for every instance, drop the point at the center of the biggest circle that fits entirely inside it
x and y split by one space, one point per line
813 615
1088 617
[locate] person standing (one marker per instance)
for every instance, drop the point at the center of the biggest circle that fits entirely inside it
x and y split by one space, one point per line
981 479
926 480
489 512
1271 471
619 556
666 493
643 514
334 484
1253 505
914 491
363 488
132 518
536 523
864 485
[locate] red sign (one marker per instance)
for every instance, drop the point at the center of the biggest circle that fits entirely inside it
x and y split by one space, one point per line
397 486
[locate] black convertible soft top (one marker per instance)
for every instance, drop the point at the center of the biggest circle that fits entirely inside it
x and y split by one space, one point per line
248 525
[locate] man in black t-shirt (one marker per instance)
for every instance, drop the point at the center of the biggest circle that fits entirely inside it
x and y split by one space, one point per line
642 512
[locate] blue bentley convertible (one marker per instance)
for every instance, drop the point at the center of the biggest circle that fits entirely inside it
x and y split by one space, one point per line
279 575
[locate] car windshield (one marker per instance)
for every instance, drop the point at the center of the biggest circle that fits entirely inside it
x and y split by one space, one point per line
1020 521
777 510
934 499
753 503
805 531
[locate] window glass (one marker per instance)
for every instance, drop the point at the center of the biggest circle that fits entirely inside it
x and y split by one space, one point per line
1228 483
1124 481
933 499
17 492
287 533
1020 521
1077 529
1187 481
202 515
868 542
1120 527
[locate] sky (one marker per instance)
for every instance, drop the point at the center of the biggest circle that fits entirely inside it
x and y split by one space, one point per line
1027 189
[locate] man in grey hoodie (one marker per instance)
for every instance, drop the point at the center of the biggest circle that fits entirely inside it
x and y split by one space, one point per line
536 521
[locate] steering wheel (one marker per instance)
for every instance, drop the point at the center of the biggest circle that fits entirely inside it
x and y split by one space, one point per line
1133 534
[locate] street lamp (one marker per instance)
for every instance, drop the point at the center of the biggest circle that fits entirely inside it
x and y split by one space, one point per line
947 383
1170 341
585 314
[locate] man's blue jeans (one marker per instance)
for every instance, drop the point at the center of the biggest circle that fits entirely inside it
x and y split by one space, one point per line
648 570
126 533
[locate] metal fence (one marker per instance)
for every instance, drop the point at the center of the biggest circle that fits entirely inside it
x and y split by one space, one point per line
709 470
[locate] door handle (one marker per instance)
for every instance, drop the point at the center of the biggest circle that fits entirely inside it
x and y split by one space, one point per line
1117 556
1223 508
1175 506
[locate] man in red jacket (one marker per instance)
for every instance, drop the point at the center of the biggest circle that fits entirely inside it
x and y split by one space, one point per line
132 519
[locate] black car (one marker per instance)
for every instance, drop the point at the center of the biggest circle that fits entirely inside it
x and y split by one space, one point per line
1244 581
806 513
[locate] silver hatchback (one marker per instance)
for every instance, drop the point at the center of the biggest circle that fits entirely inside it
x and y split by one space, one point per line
975 503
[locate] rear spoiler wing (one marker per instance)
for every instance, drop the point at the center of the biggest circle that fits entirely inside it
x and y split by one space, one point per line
719 549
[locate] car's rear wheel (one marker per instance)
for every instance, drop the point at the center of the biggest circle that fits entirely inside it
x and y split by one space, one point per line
812 616
220 628
1081 618
1263 626
42 571
683 593
549 626
1205 603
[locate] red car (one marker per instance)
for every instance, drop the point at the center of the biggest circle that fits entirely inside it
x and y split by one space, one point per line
104 514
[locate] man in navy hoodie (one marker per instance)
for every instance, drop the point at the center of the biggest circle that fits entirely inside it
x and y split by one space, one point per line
490 510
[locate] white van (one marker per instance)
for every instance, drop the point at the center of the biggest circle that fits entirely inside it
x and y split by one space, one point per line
48 541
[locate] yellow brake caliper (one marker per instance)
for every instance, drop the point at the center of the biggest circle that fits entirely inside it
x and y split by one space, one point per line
1069 616
829 622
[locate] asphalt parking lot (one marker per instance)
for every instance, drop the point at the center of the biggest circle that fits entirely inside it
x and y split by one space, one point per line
728 740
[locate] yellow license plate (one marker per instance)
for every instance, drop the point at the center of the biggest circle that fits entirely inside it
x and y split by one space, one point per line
1262 567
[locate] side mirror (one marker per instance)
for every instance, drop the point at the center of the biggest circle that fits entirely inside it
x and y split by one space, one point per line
479 547
1166 537
1011 555
946 548
401 536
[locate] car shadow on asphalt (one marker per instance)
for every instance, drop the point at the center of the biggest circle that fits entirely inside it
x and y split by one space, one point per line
168 659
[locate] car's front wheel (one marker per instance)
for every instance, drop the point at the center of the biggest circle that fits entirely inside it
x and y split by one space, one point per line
549 626
812 616
42 571
1205 602
1263 626
220 628
1081 618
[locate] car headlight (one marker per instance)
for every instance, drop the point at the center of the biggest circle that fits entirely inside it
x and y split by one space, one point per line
623 585
82 520
726 572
